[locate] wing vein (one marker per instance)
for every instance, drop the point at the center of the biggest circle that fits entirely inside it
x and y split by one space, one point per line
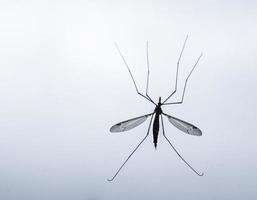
129 124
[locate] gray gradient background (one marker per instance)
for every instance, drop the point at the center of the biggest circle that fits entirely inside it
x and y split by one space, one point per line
63 85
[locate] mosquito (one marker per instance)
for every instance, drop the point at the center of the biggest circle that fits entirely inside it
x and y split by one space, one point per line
157 114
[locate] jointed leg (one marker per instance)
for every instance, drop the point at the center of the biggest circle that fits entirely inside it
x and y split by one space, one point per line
199 174
179 102
148 72
176 83
132 151
132 75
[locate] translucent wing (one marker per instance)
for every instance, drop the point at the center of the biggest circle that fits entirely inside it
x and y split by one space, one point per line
184 126
129 124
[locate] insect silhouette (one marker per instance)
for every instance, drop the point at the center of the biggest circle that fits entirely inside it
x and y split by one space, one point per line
157 114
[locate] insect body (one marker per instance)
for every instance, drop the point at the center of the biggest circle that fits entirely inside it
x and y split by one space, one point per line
156 122
158 114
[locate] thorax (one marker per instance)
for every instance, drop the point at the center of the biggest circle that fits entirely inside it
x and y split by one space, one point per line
158 109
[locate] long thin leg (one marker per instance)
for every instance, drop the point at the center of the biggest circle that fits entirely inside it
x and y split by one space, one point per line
177 70
132 151
179 102
148 72
199 174
132 75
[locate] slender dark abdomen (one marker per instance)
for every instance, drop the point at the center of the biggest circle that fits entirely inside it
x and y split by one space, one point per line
156 126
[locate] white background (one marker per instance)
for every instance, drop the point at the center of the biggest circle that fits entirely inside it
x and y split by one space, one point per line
63 85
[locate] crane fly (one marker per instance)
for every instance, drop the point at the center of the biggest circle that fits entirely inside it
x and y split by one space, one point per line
157 115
